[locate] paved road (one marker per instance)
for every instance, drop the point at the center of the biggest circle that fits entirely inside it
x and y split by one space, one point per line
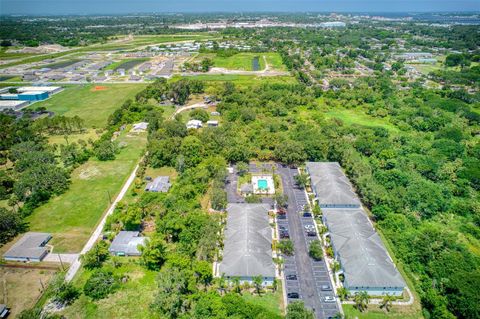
98 231
311 274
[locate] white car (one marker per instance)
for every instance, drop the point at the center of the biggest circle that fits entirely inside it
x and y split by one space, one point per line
329 299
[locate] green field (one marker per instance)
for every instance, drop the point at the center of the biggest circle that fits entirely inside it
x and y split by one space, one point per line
273 302
374 312
354 116
243 61
132 300
94 107
72 216
240 79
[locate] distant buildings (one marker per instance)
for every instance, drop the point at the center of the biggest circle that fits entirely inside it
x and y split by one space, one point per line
31 247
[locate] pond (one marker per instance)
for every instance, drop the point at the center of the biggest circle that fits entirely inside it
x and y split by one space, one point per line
256 64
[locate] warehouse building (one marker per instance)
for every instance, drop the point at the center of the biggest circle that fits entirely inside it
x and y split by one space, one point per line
330 185
31 247
248 244
364 260
49 89
12 105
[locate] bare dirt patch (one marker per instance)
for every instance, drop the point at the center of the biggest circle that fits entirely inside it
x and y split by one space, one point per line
20 289
89 172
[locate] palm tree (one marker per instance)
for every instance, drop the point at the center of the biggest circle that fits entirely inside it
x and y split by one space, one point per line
387 302
275 284
361 300
279 262
236 285
221 284
257 282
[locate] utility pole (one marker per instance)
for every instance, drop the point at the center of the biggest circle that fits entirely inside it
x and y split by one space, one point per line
61 262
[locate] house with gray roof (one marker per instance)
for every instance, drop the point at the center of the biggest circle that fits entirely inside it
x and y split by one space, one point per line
31 247
248 243
364 260
330 185
160 184
126 244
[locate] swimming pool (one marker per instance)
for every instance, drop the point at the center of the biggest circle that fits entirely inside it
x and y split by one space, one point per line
262 184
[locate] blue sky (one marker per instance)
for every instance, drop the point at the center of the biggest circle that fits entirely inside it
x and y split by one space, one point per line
133 6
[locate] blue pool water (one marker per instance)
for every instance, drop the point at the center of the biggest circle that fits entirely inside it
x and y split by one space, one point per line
262 184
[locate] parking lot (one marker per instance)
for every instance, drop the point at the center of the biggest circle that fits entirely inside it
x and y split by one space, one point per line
312 279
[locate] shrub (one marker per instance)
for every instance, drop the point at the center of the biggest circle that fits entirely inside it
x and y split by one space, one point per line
100 284
315 250
286 247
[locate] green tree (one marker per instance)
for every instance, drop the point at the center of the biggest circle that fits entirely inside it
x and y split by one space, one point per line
387 301
154 252
286 247
100 284
95 257
315 250
361 300
258 282
297 310
302 180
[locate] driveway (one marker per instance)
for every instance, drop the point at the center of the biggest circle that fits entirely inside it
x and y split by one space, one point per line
311 275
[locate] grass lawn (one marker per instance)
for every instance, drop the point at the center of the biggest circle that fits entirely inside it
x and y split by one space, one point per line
131 300
21 288
243 61
72 216
94 107
60 139
357 116
374 312
126 64
273 302
244 80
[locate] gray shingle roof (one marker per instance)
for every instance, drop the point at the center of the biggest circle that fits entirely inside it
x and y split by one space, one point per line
127 242
248 242
31 245
331 186
362 255
159 184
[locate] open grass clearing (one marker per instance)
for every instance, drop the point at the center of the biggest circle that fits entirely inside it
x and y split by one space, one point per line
93 106
72 216
60 64
74 138
374 312
244 61
358 117
271 301
126 64
131 300
21 288
244 80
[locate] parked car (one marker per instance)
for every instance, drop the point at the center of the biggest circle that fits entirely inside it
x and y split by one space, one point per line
291 277
282 216
311 233
326 288
284 234
329 299
293 295
309 227
281 210
307 214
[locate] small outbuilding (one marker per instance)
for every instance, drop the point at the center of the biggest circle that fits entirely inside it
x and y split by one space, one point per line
31 247
160 184
126 244
194 124
140 127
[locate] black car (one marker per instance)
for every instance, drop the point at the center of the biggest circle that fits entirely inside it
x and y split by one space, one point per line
307 214
293 295
311 233
291 277
282 216
284 234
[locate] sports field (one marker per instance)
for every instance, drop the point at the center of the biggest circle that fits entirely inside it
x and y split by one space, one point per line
72 216
92 103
